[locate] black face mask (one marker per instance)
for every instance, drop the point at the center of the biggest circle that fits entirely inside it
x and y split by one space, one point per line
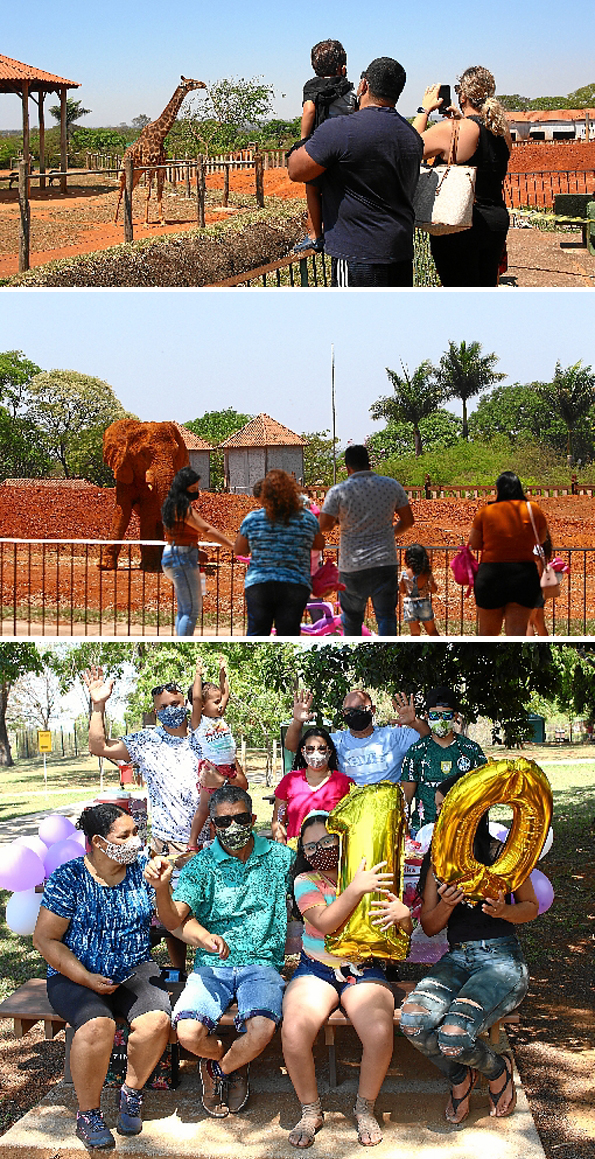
359 719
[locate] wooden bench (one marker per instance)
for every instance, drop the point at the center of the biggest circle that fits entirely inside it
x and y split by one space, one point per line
30 1005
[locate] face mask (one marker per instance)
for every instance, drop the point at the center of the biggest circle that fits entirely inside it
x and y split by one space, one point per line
235 836
325 858
440 727
315 760
358 719
172 716
125 854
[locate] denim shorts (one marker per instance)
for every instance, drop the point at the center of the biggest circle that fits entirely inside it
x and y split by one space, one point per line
210 990
309 966
417 608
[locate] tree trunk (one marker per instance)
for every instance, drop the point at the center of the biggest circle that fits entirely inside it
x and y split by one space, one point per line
6 760
465 430
418 443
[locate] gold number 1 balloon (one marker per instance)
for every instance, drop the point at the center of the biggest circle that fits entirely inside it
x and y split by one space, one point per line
371 823
520 784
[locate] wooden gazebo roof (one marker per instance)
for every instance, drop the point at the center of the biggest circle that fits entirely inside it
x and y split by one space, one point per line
13 73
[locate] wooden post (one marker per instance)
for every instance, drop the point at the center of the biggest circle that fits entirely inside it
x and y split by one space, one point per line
41 141
187 175
226 186
200 192
243 753
63 141
259 180
26 122
25 213
128 185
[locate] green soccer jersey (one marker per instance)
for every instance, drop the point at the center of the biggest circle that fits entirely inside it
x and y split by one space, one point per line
428 763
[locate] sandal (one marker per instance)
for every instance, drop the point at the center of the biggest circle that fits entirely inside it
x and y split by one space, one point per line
456 1102
311 1121
367 1123
495 1098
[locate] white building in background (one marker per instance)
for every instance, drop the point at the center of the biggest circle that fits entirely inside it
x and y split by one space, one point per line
199 453
553 125
261 446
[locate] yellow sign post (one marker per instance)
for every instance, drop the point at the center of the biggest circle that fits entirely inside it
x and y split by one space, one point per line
44 744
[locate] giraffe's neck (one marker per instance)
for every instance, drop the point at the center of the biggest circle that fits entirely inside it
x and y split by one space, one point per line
164 123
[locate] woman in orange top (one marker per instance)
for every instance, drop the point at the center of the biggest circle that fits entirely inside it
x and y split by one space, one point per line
507 584
181 556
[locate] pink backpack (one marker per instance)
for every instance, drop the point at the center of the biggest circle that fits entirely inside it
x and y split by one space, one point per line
464 567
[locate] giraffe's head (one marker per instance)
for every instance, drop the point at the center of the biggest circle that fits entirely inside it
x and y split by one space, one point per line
189 85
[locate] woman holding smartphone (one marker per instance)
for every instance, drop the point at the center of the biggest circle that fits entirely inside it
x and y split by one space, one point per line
93 931
471 257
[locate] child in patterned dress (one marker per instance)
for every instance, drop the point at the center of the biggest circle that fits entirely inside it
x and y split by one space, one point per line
211 732
416 585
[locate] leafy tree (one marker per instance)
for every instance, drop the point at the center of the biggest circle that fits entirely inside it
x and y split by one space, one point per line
583 98
521 413
464 372
493 682
230 107
141 121
23 453
15 661
66 405
438 430
16 373
33 700
74 112
415 397
97 140
570 396
215 426
515 103
318 457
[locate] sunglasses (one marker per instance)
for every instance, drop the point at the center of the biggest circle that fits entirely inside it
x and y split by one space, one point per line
446 714
309 749
324 843
236 818
171 687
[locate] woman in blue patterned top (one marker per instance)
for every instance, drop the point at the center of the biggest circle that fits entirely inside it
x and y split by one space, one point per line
279 536
93 931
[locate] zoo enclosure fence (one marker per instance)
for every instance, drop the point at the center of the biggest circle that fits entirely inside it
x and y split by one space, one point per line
56 587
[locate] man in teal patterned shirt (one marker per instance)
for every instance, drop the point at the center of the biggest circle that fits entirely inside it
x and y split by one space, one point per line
437 756
230 902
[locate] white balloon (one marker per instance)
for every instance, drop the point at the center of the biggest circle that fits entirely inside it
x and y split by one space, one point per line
549 841
22 910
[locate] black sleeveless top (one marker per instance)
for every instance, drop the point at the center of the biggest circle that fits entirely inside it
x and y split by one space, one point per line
470 924
491 160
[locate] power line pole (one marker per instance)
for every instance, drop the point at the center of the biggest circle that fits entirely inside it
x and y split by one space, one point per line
334 424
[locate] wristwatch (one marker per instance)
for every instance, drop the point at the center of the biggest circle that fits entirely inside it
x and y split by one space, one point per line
422 110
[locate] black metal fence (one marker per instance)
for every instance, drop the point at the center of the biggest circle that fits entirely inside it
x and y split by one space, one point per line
60 588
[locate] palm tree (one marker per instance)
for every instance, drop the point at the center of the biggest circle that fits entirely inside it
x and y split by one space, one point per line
570 396
74 112
415 396
465 372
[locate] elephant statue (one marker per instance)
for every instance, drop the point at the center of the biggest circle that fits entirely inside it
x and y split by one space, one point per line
144 458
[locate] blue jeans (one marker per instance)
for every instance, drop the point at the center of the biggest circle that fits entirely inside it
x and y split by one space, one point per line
378 584
278 602
180 565
210 990
470 988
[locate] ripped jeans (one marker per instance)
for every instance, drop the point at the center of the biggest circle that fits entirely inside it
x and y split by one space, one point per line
473 986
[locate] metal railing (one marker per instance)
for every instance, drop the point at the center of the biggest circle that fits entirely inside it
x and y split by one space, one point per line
55 587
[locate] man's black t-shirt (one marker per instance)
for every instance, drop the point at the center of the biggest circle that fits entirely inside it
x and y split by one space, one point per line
372 161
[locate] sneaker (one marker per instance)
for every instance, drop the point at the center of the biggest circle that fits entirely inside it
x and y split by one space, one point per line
309 243
238 1089
214 1090
129 1120
92 1131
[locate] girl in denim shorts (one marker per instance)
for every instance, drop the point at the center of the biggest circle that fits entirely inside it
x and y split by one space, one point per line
417 585
322 981
483 977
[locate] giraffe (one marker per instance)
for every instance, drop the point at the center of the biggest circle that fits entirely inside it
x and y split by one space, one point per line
148 149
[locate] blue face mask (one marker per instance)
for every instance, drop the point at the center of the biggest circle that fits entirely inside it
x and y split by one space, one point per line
172 716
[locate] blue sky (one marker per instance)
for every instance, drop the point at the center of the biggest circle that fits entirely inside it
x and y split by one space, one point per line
128 56
176 354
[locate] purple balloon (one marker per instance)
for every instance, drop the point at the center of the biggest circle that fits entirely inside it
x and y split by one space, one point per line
20 868
544 890
55 828
59 853
35 843
80 839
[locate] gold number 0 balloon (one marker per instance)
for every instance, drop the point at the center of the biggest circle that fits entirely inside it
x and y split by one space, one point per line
520 784
371 822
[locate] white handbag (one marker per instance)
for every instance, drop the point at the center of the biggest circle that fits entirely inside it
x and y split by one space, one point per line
444 197
549 580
